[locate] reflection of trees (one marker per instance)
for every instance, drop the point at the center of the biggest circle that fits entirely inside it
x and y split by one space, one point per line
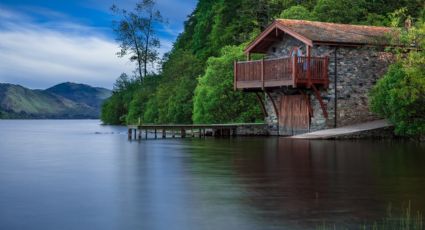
266 183
342 181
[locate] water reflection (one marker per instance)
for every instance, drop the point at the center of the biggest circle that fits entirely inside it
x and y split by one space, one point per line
78 179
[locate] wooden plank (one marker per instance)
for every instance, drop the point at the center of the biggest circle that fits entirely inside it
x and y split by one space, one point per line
262 73
235 76
294 114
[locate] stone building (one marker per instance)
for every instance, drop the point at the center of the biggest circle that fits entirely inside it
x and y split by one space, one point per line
314 75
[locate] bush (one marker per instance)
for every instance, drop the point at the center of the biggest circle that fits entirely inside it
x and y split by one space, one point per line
400 95
215 101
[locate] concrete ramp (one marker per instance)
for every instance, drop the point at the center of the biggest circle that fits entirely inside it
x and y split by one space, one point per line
345 131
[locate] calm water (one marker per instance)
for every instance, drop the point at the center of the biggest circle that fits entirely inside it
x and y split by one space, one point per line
80 175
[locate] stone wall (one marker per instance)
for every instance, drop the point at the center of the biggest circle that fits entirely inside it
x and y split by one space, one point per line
358 69
252 130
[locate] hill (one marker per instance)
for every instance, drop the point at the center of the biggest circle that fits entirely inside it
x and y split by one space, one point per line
81 93
63 101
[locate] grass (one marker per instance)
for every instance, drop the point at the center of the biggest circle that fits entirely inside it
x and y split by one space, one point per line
405 221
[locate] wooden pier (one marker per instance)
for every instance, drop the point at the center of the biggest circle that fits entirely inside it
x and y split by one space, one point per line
139 132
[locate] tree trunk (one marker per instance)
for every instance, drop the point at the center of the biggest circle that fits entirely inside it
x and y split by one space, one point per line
140 70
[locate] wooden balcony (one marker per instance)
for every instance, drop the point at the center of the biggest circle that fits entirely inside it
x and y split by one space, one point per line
295 71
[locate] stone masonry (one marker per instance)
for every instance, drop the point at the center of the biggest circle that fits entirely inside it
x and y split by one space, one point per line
358 69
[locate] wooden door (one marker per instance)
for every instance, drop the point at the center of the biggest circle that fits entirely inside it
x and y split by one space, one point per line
294 116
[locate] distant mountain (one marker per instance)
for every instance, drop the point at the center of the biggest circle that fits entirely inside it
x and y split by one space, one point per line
63 101
84 94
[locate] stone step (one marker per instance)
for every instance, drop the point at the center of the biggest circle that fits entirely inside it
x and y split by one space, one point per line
345 131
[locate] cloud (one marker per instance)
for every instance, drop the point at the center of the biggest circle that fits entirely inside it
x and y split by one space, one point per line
39 56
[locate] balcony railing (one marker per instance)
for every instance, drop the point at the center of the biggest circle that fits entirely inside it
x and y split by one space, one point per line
291 71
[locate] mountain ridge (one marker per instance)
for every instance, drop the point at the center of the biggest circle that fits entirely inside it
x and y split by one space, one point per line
63 101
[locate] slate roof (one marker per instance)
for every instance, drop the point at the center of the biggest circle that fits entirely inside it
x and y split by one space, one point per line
325 32
311 33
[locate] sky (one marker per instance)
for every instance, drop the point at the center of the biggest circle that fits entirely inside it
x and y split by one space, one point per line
46 42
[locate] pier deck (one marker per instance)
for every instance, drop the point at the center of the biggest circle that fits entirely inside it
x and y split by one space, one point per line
137 132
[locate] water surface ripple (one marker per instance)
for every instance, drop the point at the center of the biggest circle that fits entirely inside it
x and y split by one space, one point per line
74 174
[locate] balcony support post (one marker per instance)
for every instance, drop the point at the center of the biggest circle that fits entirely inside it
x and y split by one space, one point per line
309 82
262 73
319 98
294 70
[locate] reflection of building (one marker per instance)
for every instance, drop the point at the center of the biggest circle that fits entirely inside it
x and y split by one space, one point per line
300 183
304 89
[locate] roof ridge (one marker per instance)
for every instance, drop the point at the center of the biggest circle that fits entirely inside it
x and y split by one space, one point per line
332 23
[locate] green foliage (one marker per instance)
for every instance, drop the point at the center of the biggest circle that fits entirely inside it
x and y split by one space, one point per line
215 101
135 30
297 12
116 108
340 11
173 98
400 95
198 52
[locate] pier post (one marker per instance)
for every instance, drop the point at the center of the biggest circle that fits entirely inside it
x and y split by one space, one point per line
135 133
200 133
146 133
234 132
155 134
173 135
140 134
183 133
129 134
164 133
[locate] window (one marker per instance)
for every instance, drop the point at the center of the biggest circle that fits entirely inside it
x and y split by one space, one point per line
297 51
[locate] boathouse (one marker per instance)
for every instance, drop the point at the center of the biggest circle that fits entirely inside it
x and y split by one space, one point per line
314 75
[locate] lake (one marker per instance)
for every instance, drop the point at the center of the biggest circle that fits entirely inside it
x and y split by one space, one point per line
77 174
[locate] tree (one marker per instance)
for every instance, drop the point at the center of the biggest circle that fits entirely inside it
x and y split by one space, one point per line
400 95
296 12
135 30
215 101
173 99
340 11
122 83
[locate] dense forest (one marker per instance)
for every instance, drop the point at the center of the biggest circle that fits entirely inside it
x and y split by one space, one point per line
195 81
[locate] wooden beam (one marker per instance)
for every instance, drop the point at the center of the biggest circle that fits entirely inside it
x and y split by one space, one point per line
262 73
273 27
309 82
319 98
294 70
263 107
310 109
274 104
296 35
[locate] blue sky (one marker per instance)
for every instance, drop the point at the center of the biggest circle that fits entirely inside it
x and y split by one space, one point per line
46 42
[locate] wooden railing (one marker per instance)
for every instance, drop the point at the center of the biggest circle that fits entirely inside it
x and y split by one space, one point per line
292 71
